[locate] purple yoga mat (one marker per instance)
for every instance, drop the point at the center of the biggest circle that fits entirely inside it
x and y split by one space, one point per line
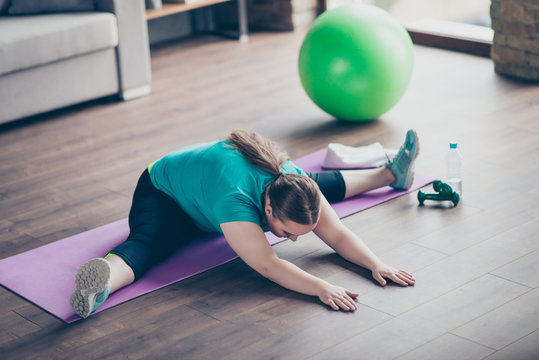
45 276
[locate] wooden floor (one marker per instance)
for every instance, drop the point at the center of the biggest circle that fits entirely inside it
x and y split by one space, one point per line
476 265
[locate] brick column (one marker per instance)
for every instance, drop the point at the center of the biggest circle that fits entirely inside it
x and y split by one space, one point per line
515 49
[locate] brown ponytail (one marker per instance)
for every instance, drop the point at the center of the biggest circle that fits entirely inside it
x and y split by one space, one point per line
292 196
259 151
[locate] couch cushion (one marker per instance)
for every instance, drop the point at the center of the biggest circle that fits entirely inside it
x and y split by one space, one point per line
49 6
27 41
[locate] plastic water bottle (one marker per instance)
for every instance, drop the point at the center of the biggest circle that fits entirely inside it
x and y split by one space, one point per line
453 165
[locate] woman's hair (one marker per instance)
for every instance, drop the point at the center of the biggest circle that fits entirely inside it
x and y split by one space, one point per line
292 196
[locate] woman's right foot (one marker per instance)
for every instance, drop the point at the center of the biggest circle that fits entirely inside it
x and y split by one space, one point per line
402 165
92 287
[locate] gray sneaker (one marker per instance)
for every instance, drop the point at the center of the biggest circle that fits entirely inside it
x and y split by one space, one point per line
92 287
402 165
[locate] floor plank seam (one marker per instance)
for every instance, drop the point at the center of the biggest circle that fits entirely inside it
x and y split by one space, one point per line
436 338
514 342
447 292
450 331
473 341
351 337
513 281
518 259
205 314
472 319
381 311
430 249
509 229
27 319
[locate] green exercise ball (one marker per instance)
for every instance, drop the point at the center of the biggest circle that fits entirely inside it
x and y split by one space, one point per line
355 62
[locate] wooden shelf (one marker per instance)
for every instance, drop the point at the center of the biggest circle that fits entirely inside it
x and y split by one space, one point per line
169 9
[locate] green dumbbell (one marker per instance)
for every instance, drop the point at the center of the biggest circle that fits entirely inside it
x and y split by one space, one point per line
441 187
444 193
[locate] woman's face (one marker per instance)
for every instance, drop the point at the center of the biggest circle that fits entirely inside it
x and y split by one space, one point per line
287 228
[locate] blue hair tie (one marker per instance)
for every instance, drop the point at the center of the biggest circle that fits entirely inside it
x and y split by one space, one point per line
277 176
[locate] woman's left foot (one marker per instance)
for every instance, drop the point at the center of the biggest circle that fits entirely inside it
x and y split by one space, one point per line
92 287
402 165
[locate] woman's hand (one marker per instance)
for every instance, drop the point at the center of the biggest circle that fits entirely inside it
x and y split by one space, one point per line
347 244
338 297
401 277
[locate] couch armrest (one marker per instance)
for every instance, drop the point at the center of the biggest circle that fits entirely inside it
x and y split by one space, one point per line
133 46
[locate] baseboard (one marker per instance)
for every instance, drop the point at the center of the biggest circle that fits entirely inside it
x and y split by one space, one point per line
472 39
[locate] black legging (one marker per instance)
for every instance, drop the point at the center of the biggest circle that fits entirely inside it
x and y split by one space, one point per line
158 226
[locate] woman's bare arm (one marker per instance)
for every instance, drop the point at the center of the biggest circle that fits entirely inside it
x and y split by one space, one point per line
347 244
249 242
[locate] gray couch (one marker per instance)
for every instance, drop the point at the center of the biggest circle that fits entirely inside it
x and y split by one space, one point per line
52 60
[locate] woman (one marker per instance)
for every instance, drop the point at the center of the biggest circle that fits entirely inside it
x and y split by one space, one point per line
242 187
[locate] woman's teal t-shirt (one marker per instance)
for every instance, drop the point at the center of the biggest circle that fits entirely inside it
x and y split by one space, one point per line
214 183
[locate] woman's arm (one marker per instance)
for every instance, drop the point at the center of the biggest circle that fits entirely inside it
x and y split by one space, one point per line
249 242
347 244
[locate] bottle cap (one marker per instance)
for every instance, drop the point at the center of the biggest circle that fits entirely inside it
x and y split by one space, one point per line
452 145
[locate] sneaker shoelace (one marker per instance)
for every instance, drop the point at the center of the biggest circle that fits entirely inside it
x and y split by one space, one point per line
401 161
